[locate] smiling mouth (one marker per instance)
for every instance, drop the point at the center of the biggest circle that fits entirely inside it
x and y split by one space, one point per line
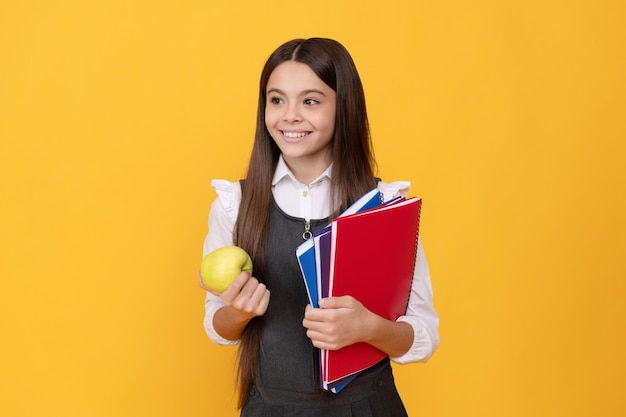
294 135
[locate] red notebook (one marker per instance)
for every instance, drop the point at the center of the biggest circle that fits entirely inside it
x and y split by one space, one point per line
372 259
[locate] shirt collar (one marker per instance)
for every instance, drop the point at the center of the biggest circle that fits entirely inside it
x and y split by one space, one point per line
282 171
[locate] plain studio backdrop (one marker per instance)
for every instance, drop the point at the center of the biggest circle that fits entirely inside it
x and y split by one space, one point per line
506 116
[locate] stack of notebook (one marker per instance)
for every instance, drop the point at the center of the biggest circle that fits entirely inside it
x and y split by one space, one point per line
369 253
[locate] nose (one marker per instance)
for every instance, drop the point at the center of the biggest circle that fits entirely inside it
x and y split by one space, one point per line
292 114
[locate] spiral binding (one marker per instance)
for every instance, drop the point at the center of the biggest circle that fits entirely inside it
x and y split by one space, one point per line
417 233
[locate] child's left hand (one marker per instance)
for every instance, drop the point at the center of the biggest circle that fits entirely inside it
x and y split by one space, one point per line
339 322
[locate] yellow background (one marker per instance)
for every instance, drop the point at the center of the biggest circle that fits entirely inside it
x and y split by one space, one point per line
507 116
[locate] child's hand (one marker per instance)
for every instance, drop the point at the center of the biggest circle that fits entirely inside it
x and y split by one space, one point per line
243 300
247 296
339 322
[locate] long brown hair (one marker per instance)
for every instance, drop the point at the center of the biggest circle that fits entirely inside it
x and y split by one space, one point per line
353 166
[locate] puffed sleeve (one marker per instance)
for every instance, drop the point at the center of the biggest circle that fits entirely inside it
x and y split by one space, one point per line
222 218
223 215
420 314
394 189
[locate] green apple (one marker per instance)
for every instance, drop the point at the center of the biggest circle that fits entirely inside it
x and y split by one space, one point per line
220 267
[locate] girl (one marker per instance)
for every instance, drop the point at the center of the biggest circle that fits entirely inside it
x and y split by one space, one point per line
312 157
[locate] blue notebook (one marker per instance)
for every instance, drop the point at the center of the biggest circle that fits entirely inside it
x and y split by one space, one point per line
306 259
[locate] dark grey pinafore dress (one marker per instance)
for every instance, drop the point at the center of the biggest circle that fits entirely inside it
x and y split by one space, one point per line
289 376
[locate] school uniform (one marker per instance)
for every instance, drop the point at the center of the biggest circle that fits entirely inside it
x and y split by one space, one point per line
289 382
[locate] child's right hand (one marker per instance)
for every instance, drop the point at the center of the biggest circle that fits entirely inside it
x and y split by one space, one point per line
247 296
243 300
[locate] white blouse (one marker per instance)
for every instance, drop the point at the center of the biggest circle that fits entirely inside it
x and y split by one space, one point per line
312 201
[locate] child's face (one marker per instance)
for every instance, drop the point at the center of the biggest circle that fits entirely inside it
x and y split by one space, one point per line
300 116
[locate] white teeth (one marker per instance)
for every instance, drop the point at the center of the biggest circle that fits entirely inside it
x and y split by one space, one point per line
295 135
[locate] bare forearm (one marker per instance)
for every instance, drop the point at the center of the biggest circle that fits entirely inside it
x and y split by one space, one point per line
393 338
229 323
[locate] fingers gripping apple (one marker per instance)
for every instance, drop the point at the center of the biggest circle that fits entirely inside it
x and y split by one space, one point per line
220 267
